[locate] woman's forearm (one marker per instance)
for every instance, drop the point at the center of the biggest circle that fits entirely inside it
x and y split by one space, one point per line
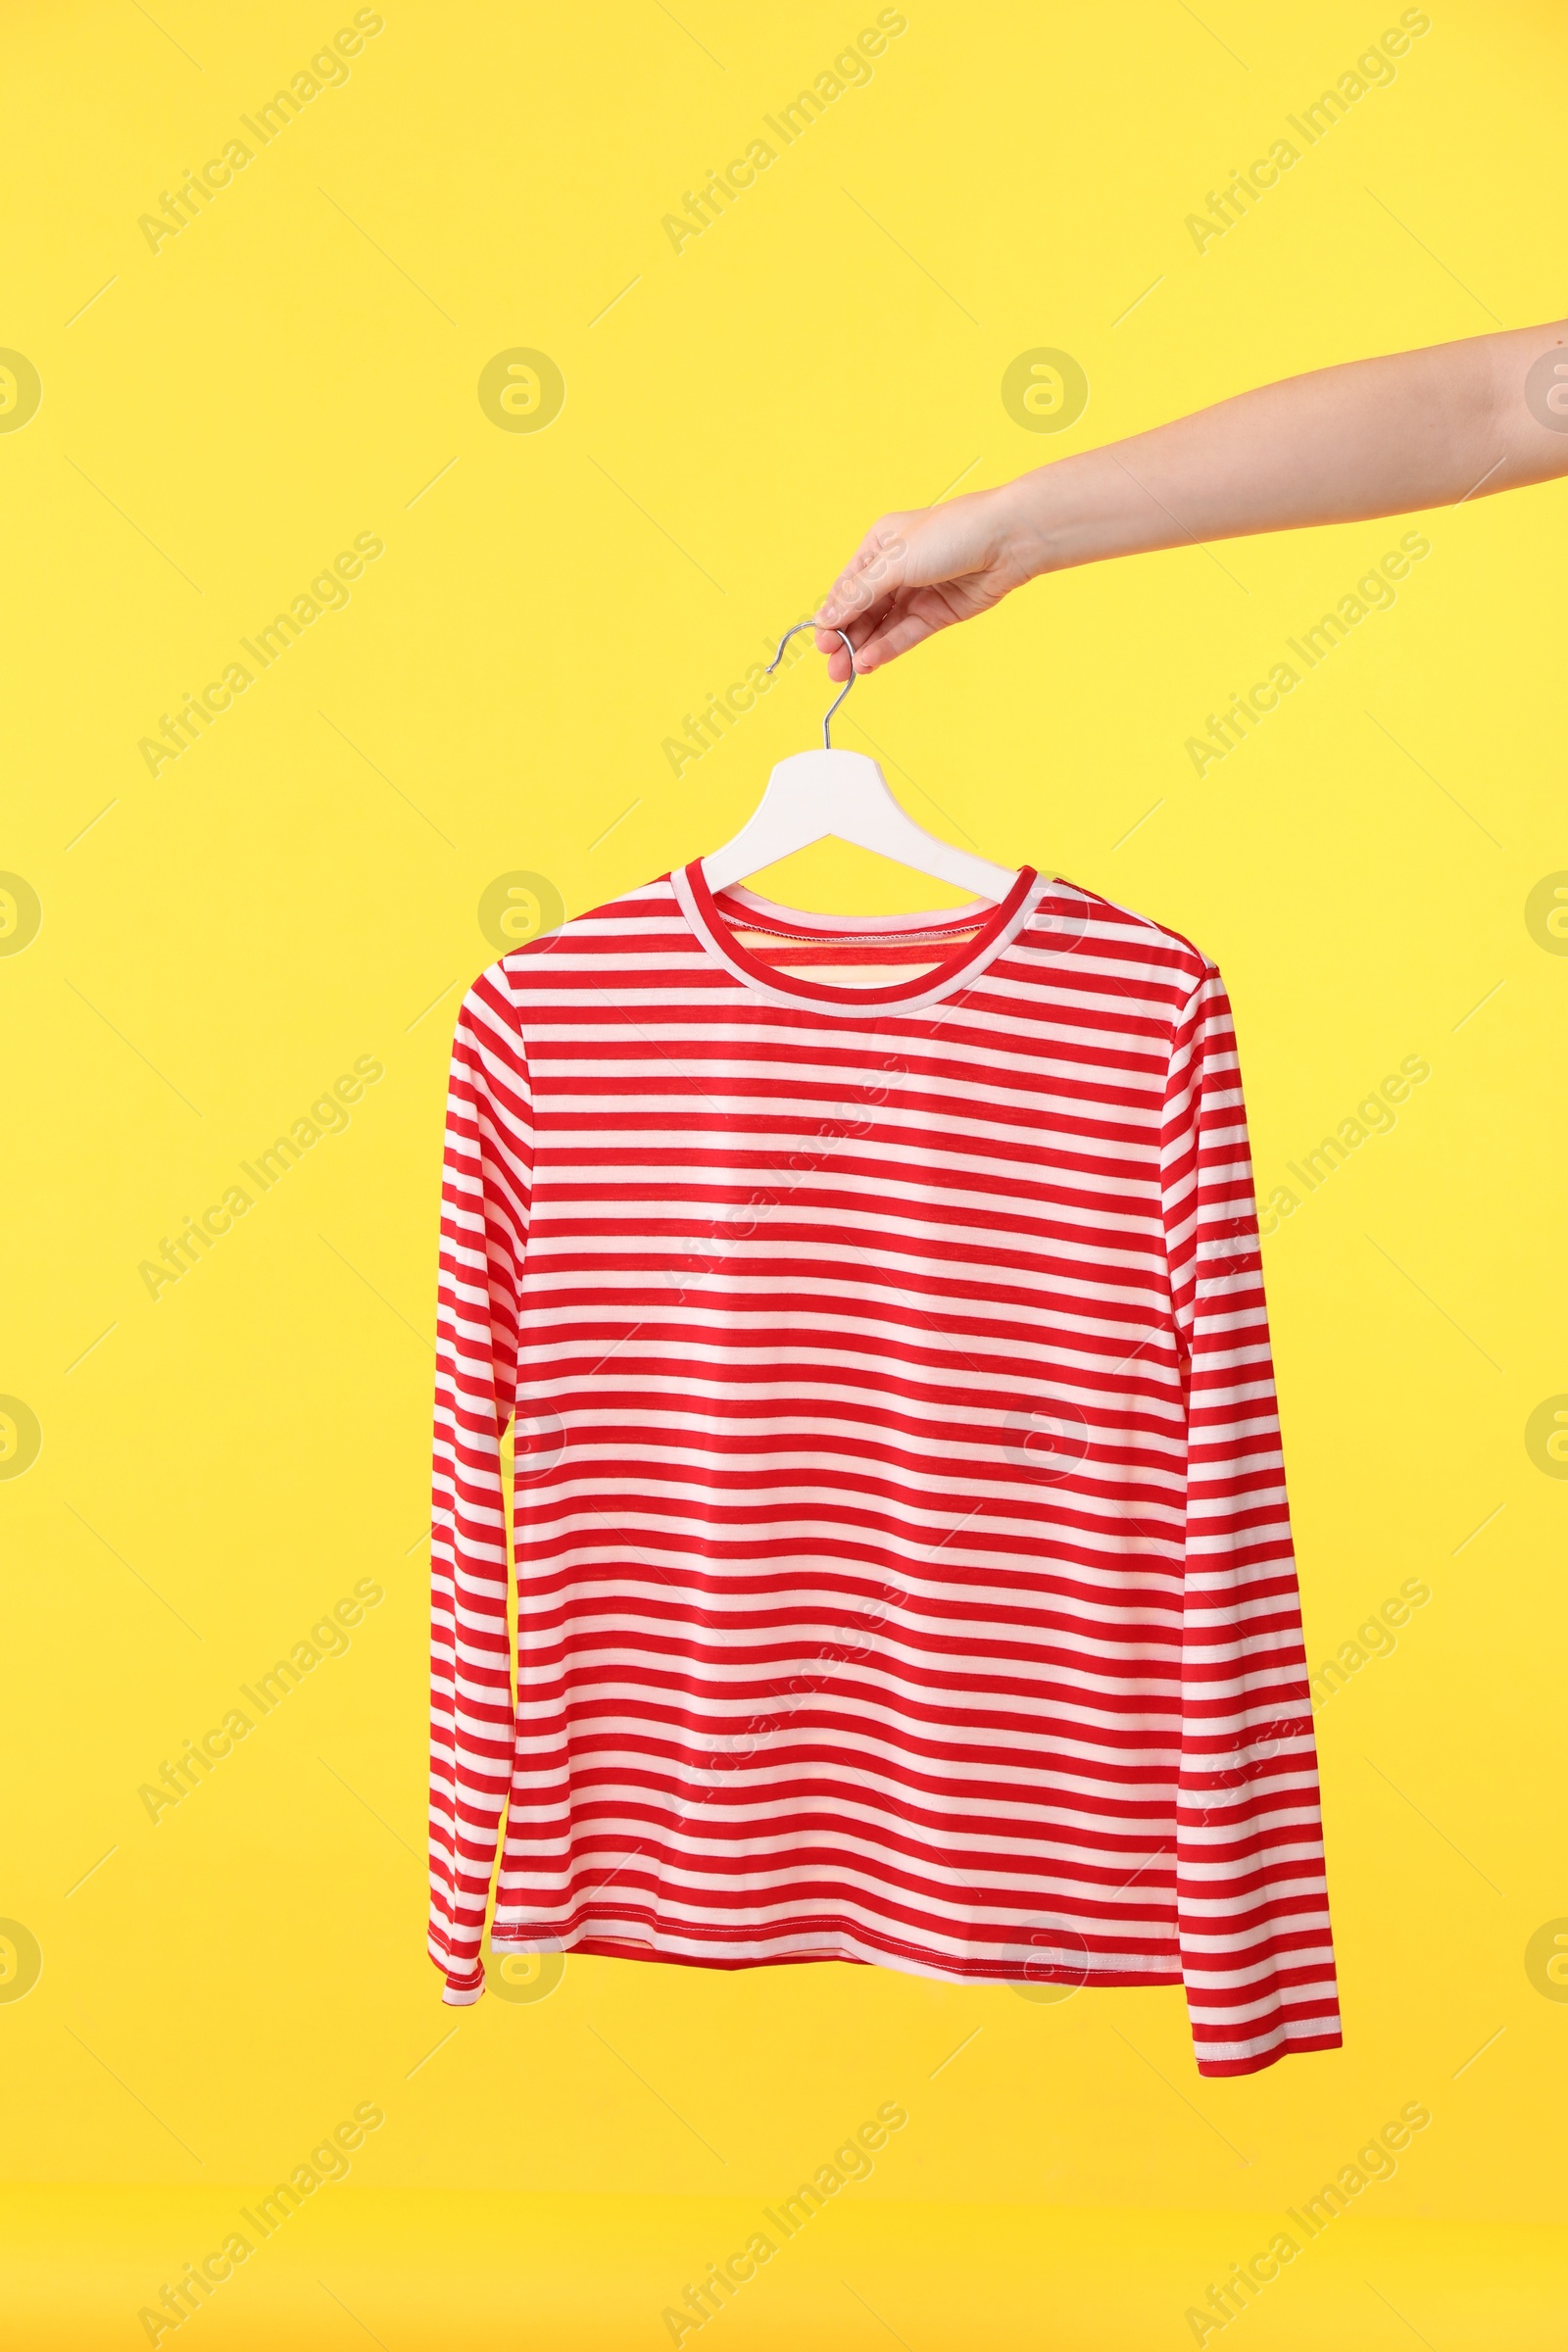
1420 428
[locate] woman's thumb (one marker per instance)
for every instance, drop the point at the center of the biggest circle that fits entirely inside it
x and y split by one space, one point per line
874 570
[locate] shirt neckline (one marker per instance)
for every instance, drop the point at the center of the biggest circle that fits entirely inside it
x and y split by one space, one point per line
998 925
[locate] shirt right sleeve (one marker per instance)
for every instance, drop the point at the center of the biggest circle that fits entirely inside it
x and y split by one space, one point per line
485 1189
1258 1955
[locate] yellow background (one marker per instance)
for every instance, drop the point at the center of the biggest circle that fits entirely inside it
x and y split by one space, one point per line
300 888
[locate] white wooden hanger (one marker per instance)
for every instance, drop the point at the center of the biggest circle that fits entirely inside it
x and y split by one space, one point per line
813 795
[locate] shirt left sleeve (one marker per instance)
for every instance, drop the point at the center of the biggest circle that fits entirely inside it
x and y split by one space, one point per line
486 1188
1257 1955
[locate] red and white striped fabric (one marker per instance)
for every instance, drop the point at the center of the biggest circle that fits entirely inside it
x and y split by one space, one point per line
902 1562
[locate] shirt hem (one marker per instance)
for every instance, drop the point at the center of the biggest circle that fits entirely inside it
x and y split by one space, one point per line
874 1952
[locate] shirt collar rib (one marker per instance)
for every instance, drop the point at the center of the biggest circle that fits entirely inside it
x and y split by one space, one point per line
708 918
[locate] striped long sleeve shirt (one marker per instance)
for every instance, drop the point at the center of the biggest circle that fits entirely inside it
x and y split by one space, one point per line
895 1565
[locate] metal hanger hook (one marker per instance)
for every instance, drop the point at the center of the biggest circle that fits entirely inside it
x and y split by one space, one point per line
848 683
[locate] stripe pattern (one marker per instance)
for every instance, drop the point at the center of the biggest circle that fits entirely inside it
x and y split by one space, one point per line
903 1565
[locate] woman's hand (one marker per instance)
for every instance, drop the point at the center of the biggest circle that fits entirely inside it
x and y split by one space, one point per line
920 570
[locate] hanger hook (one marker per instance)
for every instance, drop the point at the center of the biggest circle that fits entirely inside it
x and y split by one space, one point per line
848 683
